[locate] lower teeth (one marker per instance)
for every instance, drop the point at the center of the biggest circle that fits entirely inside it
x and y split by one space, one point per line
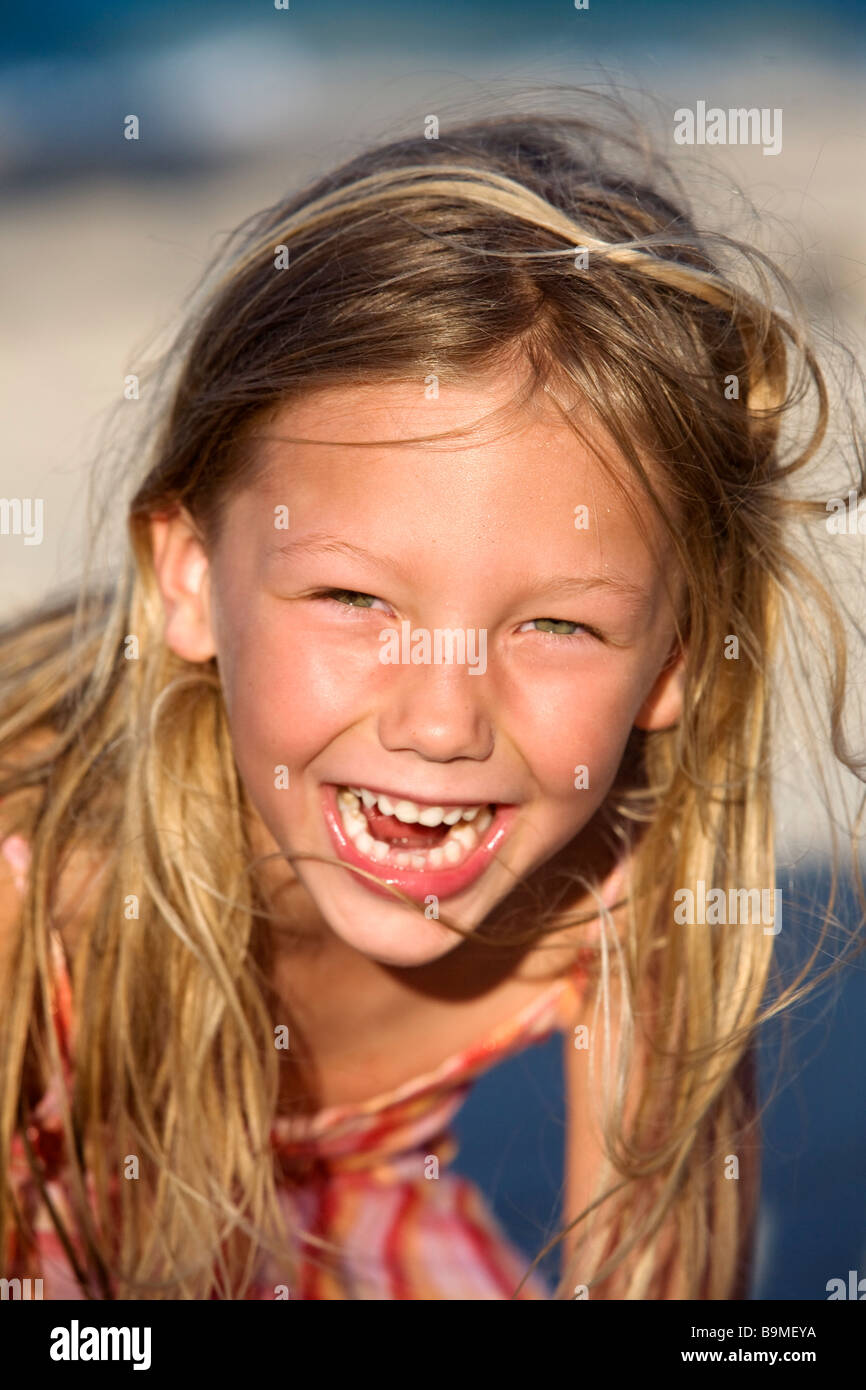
457 845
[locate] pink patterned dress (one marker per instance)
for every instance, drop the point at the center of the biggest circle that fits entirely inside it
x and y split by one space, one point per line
379 1183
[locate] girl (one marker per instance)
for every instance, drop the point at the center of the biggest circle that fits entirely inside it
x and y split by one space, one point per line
439 674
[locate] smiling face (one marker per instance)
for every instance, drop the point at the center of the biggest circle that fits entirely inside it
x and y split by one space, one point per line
568 632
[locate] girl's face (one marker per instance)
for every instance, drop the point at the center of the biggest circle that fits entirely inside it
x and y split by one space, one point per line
475 624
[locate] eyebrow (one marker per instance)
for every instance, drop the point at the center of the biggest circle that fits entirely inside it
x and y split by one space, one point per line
559 585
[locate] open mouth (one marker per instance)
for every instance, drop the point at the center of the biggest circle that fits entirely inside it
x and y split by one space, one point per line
407 835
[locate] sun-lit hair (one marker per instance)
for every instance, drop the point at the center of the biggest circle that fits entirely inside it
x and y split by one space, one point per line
558 244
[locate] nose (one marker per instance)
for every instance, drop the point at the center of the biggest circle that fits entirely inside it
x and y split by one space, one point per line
440 712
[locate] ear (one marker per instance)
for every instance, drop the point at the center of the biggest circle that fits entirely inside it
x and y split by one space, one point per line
183 575
663 707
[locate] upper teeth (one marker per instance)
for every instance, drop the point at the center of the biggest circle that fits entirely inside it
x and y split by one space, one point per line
410 813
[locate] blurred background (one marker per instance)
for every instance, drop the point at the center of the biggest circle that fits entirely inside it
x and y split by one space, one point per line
102 238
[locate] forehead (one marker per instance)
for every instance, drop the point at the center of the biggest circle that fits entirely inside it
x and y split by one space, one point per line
360 459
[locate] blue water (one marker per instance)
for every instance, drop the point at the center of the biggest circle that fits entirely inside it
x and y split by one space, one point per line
93 26
812 1218
217 81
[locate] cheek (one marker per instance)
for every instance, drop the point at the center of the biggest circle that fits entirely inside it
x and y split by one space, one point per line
288 691
574 735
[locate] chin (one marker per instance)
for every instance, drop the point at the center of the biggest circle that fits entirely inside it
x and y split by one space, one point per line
399 937
383 930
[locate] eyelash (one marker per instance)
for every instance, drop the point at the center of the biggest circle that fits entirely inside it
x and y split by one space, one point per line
557 636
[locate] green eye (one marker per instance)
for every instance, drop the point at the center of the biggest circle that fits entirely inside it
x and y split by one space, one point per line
345 596
557 625
562 628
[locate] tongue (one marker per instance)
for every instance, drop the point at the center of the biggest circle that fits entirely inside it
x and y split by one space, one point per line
391 829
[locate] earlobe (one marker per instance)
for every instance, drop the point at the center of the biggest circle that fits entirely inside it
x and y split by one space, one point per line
183 574
663 707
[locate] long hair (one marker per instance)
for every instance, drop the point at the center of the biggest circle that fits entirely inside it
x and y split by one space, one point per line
563 244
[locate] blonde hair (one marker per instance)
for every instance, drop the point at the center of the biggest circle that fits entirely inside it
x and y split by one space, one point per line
428 257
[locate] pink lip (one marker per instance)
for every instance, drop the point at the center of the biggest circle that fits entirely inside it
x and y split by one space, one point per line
418 883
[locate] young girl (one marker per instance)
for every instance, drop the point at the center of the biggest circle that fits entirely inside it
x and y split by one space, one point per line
439 675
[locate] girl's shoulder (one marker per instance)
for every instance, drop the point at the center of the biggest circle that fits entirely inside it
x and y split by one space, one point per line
14 864
19 811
